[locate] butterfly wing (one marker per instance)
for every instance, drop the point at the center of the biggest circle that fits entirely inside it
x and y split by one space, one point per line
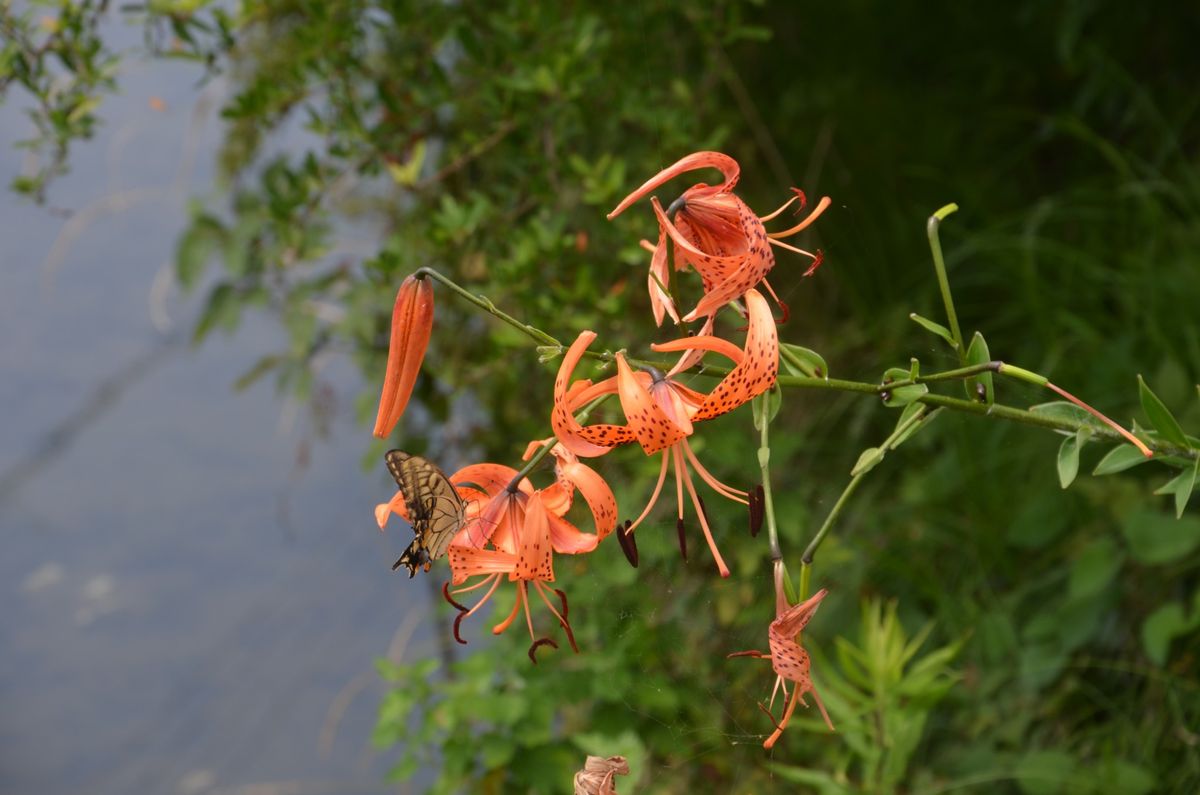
435 510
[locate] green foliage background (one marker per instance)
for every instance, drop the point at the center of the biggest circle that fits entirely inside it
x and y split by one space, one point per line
1056 631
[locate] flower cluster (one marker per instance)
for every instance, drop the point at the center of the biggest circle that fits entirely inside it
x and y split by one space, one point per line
508 529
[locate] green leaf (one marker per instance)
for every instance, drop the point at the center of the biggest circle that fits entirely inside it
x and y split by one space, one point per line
1181 486
1161 627
1063 410
222 309
904 395
1094 568
916 425
1044 772
1125 778
977 353
1154 538
803 361
936 328
867 461
1118 459
1161 418
263 366
1068 458
196 247
768 401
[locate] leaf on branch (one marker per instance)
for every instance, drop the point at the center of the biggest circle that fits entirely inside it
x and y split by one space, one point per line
901 396
1181 486
935 328
978 353
1160 417
798 360
1068 458
1118 459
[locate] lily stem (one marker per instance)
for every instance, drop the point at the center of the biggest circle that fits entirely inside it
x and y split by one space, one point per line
939 265
486 305
901 432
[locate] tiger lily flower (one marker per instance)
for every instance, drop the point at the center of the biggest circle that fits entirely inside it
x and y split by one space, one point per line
715 233
512 532
412 323
789 660
661 412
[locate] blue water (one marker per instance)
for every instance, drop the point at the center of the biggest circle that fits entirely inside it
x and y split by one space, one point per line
181 610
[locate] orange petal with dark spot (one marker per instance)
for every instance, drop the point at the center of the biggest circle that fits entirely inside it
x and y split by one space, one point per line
722 162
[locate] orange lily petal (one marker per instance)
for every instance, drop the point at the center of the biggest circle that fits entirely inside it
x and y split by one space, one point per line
592 440
756 372
794 619
467 562
693 357
568 539
534 552
412 323
704 343
596 493
396 505
660 301
653 428
724 163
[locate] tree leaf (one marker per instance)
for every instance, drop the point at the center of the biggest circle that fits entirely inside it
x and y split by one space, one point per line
936 328
1160 417
1094 568
1118 459
1156 538
1161 627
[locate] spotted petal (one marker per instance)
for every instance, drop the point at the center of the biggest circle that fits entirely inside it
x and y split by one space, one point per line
757 364
722 162
534 552
649 422
588 441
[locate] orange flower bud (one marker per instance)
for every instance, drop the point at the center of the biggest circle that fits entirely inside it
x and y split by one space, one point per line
412 322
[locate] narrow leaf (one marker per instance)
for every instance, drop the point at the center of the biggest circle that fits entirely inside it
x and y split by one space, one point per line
905 416
803 361
867 461
1181 486
1118 459
1160 417
936 328
1068 460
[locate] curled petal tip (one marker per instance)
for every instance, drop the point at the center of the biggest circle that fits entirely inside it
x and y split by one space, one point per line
382 512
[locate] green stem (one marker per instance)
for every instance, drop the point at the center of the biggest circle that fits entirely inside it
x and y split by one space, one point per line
888 444
946 375
581 415
764 463
486 305
939 265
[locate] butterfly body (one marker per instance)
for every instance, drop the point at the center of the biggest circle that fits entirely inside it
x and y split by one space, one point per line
435 509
